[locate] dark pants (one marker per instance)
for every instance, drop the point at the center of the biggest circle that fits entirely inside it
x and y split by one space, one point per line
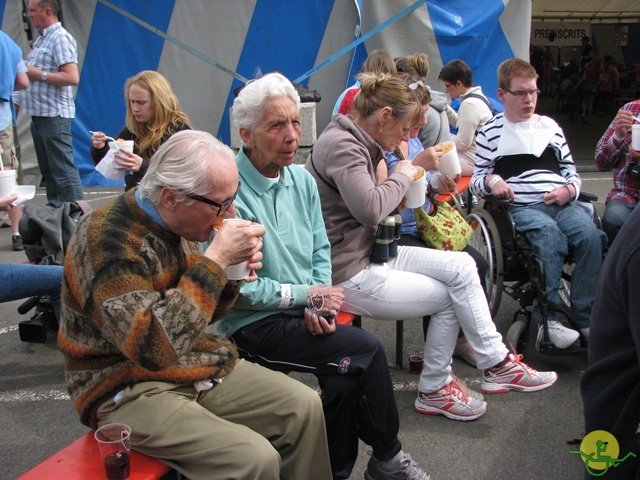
351 368
53 144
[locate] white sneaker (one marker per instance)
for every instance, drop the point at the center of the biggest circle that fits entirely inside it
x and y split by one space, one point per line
561 336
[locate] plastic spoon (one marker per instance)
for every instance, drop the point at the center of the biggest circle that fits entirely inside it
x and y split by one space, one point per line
107 136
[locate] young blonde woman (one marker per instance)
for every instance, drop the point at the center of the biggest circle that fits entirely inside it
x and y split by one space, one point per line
153 115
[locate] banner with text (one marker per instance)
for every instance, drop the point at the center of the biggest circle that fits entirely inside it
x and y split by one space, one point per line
559 33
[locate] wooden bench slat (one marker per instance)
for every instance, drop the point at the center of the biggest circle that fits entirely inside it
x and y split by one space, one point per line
81 461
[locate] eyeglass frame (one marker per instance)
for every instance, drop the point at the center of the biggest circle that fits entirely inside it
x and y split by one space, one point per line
523 93
222 207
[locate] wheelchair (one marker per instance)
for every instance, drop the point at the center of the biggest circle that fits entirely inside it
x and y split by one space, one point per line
514 270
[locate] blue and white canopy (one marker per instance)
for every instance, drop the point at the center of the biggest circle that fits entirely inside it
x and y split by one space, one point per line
208 48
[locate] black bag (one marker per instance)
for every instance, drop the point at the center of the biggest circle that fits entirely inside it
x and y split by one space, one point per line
46 230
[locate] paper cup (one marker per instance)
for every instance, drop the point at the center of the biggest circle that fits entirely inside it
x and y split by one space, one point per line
241 270
635 137
415 196
126 144
7 182
449 162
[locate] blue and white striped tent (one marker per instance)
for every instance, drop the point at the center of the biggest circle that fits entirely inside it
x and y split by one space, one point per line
208 48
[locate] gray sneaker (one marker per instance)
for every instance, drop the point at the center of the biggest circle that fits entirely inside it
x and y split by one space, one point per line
407 469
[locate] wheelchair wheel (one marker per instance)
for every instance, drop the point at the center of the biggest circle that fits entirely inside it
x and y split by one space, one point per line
517 336
486 240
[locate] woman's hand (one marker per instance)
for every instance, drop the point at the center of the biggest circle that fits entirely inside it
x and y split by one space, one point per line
98 140
5 202
447 184
128 160
406 167
429 158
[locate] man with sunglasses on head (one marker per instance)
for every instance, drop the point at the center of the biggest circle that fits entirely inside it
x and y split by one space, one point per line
524 158
138 296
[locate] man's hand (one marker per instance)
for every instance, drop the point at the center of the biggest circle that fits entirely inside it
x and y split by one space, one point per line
236 242
500 189
622 123
560 195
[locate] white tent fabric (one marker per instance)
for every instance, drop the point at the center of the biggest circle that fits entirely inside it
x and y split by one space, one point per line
207 48
586 10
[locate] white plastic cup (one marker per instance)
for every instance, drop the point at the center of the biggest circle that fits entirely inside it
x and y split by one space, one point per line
635 137
126 144
416 194
7 182
114 443
449 162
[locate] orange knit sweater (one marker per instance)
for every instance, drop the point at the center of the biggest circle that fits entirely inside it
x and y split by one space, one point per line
136 301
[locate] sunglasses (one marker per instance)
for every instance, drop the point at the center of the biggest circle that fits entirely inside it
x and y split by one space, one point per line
222 207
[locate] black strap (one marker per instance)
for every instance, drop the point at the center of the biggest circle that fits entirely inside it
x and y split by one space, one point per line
320 176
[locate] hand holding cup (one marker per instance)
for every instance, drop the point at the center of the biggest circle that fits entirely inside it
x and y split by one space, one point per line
237 242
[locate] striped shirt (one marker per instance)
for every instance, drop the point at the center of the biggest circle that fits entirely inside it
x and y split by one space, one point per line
613 153
528 186
53 48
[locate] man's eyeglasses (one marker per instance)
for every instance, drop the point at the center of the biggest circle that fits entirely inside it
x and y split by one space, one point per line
523 93
222 207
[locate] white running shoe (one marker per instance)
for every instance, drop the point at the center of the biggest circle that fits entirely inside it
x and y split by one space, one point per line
561 336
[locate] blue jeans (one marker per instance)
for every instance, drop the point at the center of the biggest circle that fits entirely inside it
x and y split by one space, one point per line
615 214
52 141
23 280
552 231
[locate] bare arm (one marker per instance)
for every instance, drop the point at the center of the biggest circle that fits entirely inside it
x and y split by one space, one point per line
67 76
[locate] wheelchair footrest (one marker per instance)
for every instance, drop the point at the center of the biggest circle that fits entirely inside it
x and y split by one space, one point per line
548 348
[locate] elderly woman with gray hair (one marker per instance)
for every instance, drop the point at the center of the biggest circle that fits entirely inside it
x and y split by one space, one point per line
270 323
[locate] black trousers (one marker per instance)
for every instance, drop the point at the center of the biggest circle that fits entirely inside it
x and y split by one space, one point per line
351 368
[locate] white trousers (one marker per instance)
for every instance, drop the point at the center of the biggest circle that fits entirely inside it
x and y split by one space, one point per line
424 281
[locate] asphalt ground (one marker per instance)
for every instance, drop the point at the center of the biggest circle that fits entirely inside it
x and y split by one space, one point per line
521 436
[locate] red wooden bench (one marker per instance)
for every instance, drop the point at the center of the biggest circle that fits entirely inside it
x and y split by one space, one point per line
461 187
81 461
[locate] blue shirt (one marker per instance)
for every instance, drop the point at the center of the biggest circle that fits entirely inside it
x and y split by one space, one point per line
409 225
296 249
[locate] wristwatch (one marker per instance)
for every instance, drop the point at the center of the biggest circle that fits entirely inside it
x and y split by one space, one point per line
44 76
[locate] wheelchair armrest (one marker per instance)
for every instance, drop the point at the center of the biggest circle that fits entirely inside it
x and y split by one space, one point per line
493 199
587 197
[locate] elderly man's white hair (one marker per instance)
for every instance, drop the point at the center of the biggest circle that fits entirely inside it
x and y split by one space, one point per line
181 164
248 106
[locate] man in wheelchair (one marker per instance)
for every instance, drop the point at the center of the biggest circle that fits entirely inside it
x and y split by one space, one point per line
524 158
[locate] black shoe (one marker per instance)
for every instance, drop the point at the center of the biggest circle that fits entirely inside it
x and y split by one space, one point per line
16 241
